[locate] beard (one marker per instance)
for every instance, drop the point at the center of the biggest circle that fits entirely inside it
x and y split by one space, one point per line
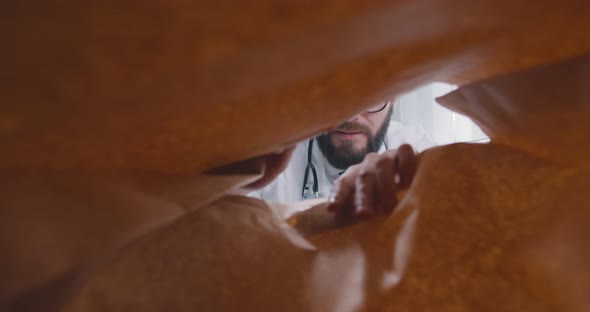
346 155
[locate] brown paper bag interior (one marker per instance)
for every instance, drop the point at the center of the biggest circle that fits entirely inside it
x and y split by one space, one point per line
110 113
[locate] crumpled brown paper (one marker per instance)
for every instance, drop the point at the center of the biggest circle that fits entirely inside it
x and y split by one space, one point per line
484 227
111 111
179 86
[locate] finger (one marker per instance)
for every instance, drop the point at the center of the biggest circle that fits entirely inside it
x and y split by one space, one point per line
386 171
406 168
365 188
343 190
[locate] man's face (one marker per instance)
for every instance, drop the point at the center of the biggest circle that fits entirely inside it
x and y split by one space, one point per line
348 144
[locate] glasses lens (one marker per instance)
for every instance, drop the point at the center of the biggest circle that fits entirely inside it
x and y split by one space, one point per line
377 108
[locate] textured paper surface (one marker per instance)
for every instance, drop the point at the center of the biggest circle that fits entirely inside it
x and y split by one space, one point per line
485 227
110 113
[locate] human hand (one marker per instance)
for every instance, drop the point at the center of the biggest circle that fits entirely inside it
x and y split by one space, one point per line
371 187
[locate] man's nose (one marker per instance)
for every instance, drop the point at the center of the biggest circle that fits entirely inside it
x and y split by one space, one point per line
360 117
355 117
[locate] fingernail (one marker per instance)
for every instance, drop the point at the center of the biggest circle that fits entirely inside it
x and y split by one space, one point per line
363 212
333 200
332 197
360 205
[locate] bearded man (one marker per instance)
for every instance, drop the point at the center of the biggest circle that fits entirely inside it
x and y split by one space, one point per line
317 163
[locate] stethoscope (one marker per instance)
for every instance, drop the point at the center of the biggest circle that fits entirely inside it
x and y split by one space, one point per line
308 185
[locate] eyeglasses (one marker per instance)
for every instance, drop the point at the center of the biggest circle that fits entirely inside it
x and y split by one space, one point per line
377 108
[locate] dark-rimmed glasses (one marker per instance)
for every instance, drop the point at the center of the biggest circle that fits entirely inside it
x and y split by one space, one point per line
377 108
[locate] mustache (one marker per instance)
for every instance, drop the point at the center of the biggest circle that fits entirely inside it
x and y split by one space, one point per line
352 127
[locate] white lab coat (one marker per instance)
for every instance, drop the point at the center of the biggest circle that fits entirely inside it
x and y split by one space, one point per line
287 187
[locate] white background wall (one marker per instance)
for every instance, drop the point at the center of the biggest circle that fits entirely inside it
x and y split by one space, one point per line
442 125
